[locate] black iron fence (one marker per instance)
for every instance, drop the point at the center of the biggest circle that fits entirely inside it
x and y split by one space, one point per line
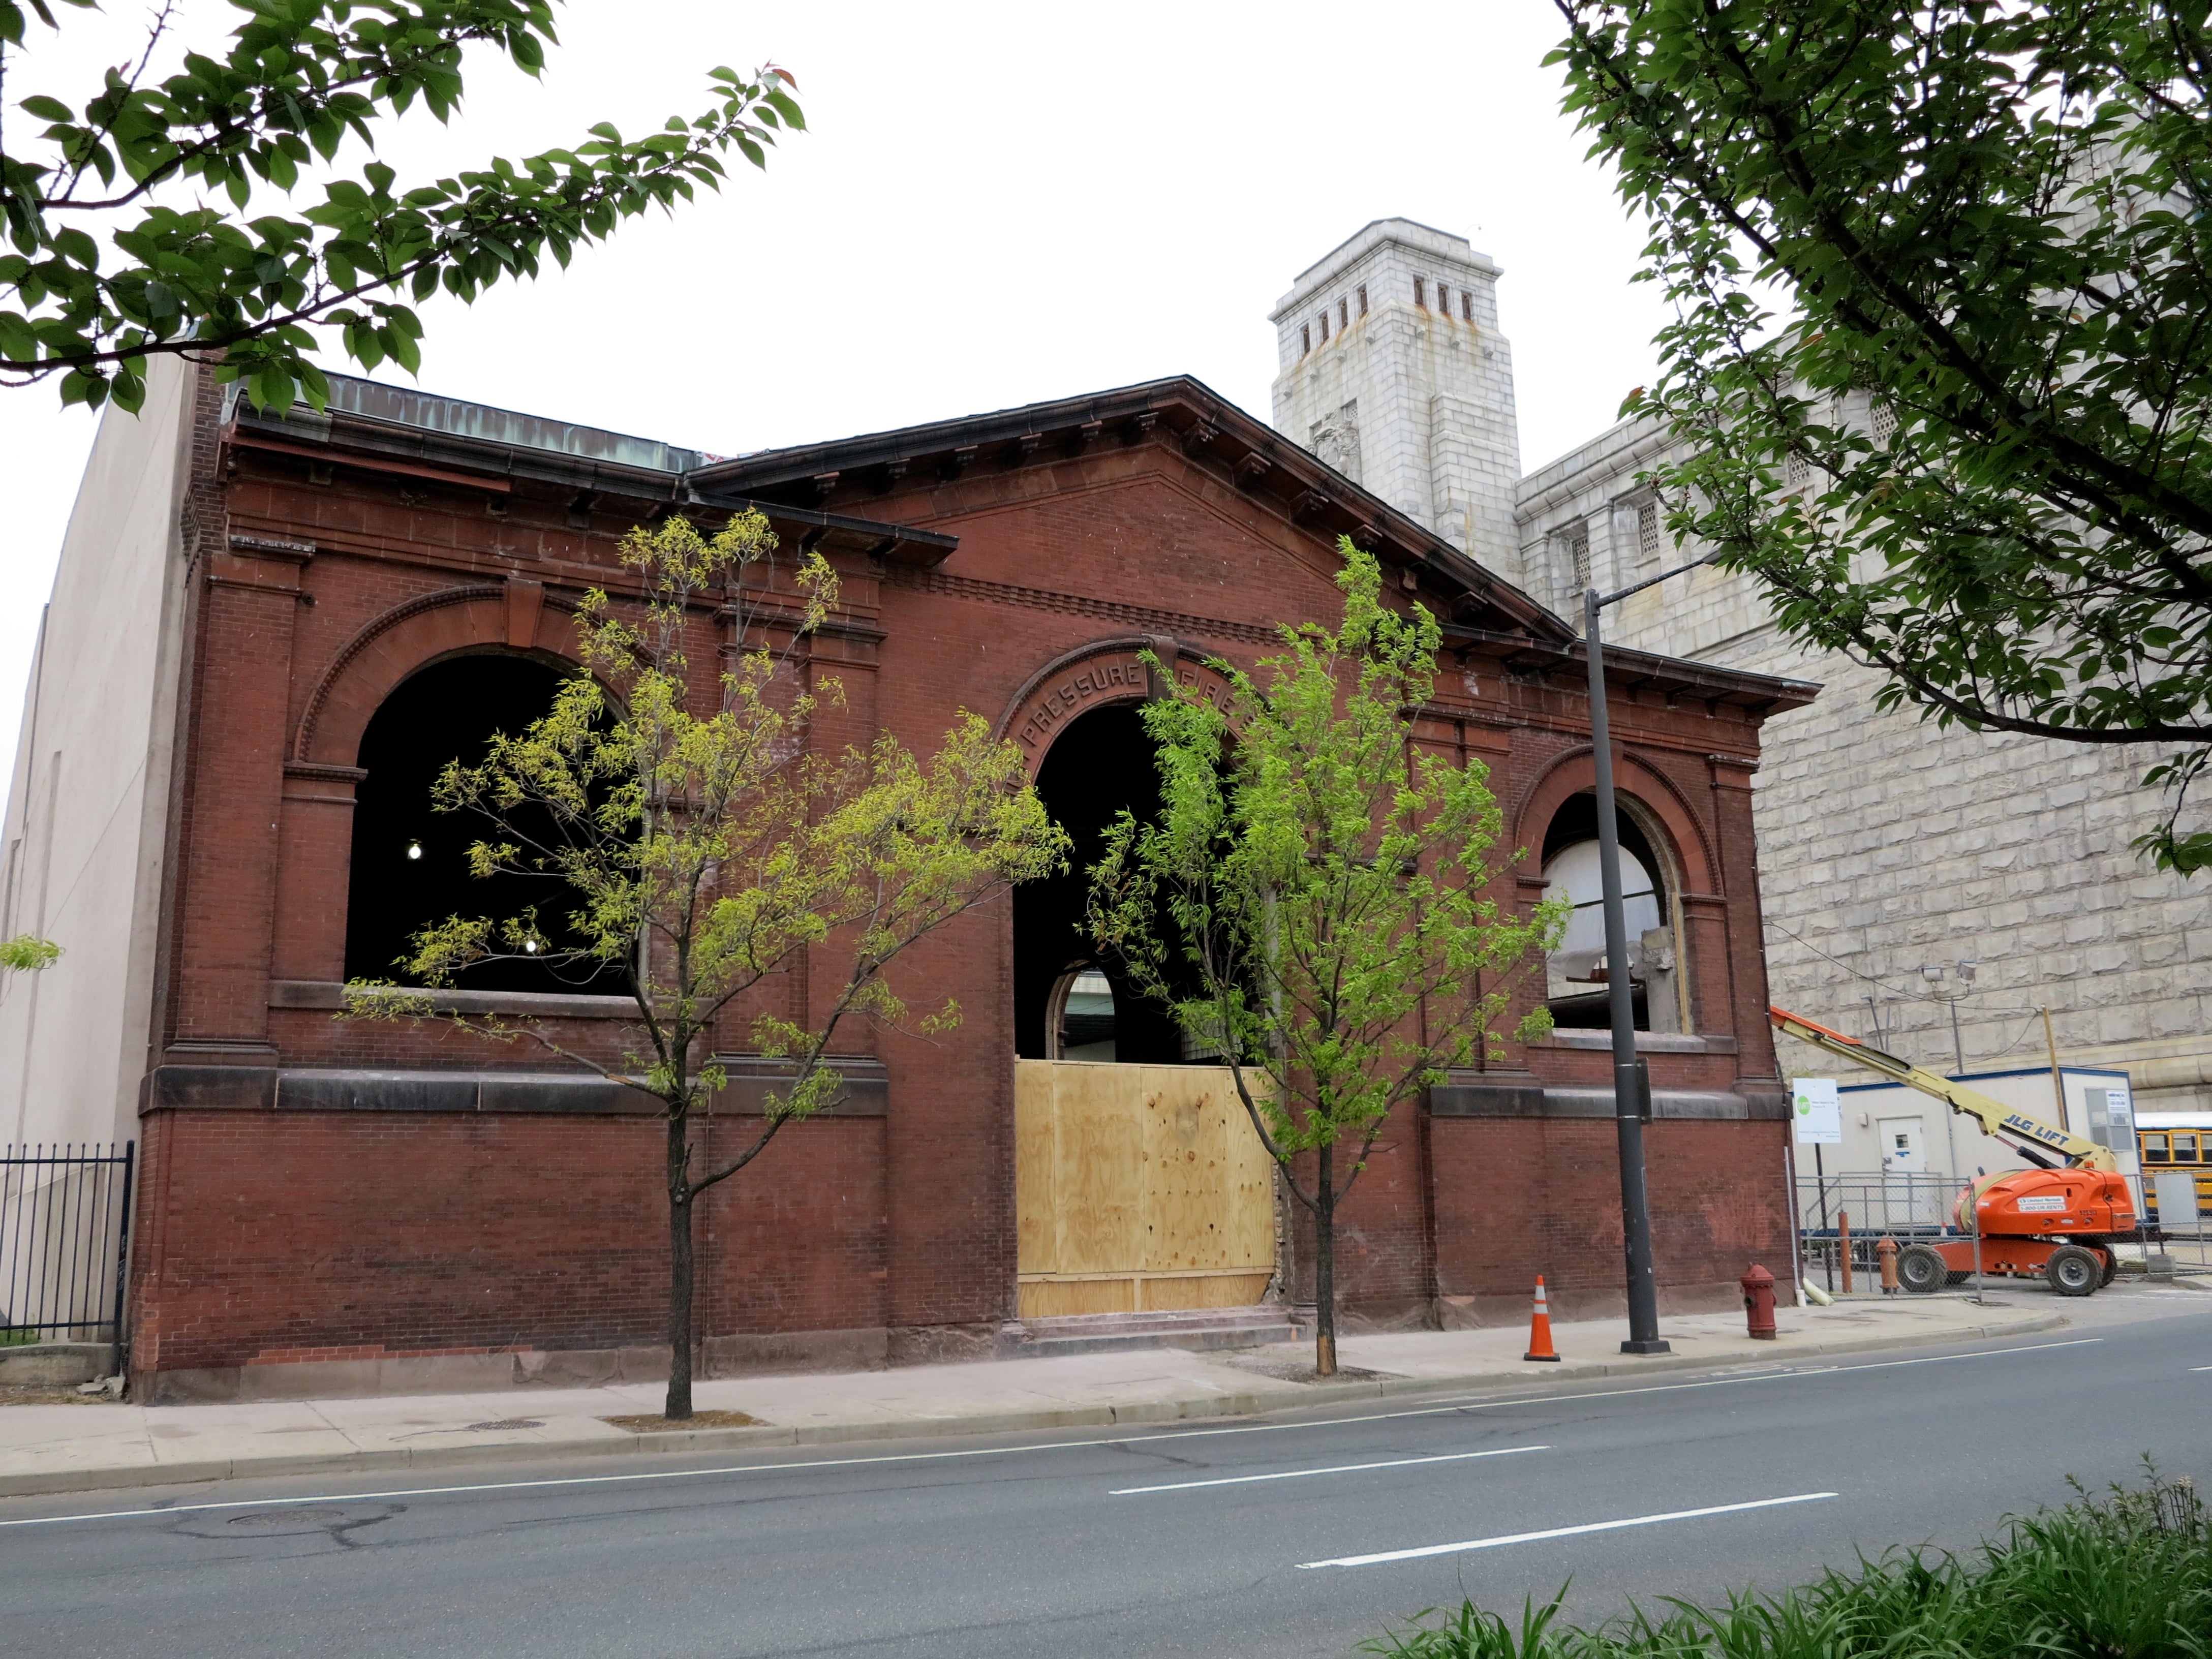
64 1238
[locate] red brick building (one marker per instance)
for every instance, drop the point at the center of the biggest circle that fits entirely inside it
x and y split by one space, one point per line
332 1206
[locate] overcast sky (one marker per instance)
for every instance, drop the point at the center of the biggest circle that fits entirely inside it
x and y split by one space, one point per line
995 205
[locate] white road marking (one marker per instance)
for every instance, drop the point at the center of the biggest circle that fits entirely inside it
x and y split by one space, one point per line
1562 1532
2201 1368
1339 1469
1777 1375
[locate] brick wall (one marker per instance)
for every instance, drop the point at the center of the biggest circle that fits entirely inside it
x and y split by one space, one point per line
270 1237
269 1234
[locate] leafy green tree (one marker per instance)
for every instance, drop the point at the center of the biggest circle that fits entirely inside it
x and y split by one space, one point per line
712 853
28 953
1942 357
154 163
1314 898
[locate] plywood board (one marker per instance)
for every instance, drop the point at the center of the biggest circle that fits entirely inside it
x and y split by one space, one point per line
1147 1175
1037 1238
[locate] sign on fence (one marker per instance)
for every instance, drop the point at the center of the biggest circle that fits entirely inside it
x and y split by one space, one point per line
1820 1119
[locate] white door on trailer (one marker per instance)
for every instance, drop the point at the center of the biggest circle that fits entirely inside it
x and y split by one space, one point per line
1903 1151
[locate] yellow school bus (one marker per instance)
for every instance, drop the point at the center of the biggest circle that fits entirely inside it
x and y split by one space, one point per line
2175 1140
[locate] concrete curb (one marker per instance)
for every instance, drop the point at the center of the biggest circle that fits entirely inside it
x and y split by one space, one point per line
1284 1397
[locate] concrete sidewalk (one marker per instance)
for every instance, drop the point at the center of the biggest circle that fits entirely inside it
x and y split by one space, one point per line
86 1447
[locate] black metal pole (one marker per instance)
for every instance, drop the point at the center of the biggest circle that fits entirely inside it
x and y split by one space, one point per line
1628 1108
122 1266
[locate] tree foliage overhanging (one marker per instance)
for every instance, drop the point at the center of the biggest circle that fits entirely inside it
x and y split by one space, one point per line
168 167
1942 360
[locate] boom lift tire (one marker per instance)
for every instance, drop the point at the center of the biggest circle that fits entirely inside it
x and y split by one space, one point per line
2074 1271
1921 1269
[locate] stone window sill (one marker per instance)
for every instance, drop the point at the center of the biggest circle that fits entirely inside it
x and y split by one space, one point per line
1647 1042
331 995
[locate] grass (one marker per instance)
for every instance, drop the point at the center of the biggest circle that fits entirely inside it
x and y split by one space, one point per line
2125 1576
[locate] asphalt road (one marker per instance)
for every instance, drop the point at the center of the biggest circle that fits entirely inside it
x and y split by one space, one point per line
1275 1538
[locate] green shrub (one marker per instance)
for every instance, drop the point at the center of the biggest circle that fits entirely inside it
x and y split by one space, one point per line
2126 1576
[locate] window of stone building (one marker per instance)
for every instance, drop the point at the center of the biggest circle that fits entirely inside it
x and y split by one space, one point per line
1444 300
1575 539
1421 293
1466 306
1324 325
1578 975
1344 314
1797 471
409 863
1305 338
1363 299
1883 421
1647 534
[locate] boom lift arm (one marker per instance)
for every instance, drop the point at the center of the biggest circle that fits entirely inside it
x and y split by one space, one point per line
2036 1141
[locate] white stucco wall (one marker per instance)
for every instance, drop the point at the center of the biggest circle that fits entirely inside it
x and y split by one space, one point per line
82 846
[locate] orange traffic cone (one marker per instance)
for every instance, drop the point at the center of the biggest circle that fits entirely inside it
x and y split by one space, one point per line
1540 1327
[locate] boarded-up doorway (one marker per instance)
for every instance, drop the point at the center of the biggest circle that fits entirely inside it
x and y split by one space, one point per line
1138 1188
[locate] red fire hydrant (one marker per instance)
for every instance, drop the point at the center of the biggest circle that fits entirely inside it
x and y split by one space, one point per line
1758 1303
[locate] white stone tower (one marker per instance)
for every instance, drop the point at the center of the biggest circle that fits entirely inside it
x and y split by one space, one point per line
1392 370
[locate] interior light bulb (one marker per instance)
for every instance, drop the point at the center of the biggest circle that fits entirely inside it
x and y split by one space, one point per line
413 849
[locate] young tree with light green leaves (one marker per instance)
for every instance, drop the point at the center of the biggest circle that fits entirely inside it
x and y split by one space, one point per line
165 167
1314 899
28 953
714 855
1941 366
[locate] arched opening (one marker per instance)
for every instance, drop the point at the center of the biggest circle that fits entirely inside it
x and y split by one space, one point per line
1068 1004
410 863
1139 1185
1578 975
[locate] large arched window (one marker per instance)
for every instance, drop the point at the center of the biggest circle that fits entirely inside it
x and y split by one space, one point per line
1578 976
409 863
1069 1004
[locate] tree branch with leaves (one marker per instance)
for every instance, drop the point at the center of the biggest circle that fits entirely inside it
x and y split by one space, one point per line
1941 361
1325 883
715 857
167 169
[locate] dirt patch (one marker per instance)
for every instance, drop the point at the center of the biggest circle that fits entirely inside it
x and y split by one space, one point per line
1302 1370
49 1394
655 1423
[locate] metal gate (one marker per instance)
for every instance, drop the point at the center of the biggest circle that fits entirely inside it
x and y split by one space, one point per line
65 1239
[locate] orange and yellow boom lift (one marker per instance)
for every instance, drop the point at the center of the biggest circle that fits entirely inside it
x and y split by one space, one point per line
2060 1219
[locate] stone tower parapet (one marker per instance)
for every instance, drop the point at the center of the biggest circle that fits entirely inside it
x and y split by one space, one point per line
1392 370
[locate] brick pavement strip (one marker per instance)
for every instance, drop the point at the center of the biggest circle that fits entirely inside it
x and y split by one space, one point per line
86 1448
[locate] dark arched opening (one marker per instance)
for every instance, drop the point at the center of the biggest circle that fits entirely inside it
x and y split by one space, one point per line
1578 977
1069 1003
410 863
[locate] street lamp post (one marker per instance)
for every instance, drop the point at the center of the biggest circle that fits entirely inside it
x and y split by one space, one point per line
1631 1087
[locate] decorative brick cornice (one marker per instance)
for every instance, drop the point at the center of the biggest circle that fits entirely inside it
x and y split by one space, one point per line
1142 618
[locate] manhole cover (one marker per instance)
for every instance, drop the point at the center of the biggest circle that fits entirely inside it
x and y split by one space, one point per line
266 1520
504 1423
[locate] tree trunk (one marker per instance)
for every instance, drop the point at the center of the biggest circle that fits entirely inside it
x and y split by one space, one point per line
1325 1265
679 1273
